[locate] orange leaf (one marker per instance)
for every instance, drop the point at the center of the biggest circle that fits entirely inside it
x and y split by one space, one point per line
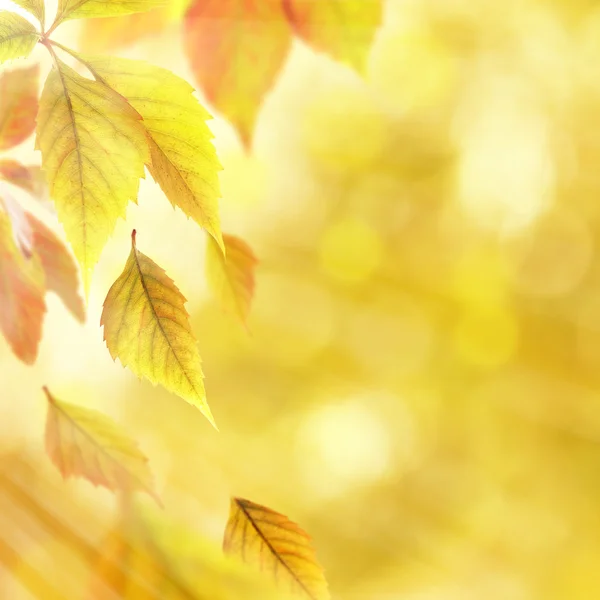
85 443
344 29
18 105
231 277
236 49
22 305
59 266
272 543
28 178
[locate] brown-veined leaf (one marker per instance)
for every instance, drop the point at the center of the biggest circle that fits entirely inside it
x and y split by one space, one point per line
84 9
18 36
34 7
183 159
236 49
18 105
275 545
59 267
93 153
29 178
231 277
85 443
344 29
146 326
22 305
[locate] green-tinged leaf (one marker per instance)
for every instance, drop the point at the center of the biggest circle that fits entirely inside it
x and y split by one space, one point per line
84 9
273 544
34 7
18 105
236 50
344 29
231 277
29 178
22 305
183 159
147 328
85 443
93 153
18 36
59 267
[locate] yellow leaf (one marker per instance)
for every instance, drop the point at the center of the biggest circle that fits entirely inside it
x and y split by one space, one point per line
147 328
85 443
275 545
183 159
34 7
18 36
83 9
344 29
231 277
93 153
22 305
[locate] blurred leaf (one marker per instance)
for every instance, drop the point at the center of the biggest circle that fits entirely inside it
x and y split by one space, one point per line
18 36
18 104
93 153
29 178
35 7
59 267
183 159
344 29
22 305
85 443
146 326
22 233
272 543
83 9
231 277
236 50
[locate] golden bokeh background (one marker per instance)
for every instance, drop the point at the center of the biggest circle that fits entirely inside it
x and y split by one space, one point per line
421 386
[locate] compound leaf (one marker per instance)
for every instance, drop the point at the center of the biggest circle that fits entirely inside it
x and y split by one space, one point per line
34 7
147 328
83 9
275 545
236 49
18 36
231 277
93 153
18 105
85 443
344 29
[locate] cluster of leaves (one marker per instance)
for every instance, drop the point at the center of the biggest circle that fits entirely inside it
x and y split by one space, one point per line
237 48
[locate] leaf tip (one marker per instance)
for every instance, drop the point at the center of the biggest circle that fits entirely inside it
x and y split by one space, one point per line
48 394
133 237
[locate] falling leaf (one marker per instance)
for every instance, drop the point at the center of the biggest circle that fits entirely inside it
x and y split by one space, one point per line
18 105
28 178
34 7
18 36
231 277
59 267
275 545
236 49
147 328
183 159
344 29
84 9
85 443
22 305
93 153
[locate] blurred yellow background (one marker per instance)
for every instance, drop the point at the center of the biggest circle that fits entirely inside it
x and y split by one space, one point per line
421 388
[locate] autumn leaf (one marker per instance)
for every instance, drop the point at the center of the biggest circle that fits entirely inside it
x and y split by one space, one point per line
183 159
22 305
231 277
85 443
344 29
18 36
236 49
29 178
59 267
18 105
34 7
93 153
22 233
147 328
275 545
